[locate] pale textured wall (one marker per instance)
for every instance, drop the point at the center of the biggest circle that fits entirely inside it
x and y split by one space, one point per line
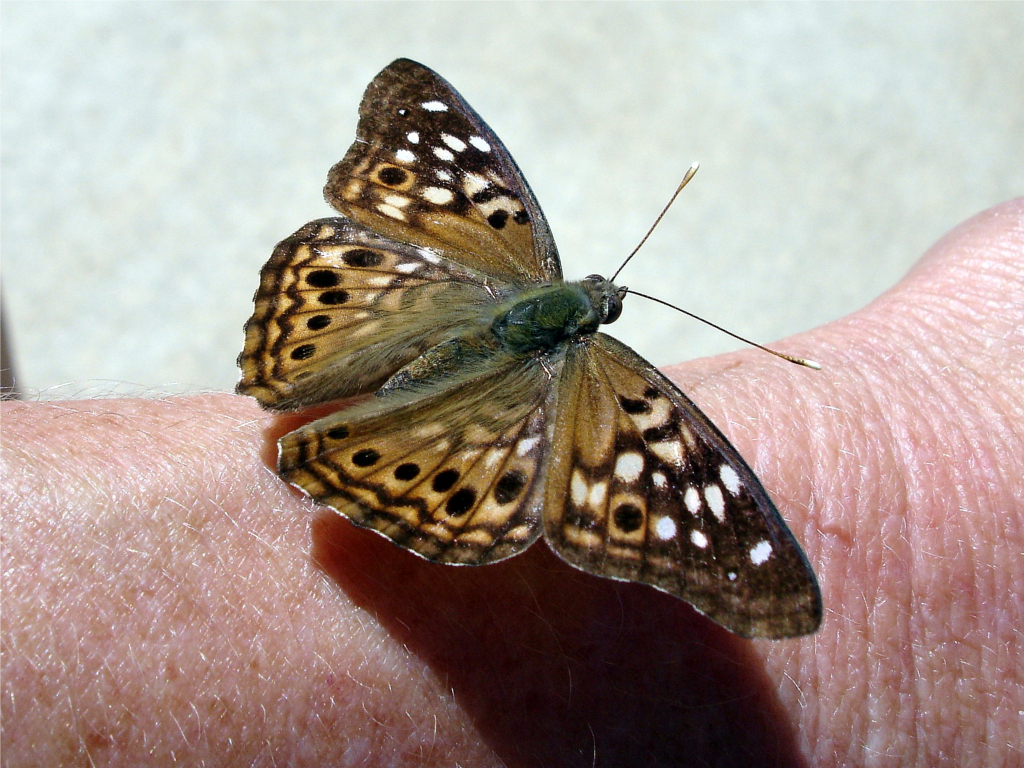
152 154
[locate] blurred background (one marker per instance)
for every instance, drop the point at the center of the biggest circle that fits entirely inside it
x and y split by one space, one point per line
153 154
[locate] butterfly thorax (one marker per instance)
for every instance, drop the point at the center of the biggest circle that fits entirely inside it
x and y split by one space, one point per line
547 316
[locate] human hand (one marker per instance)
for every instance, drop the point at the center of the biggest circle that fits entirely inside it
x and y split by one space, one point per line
161 604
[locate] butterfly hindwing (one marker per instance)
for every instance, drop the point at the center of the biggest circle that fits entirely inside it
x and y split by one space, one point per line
340 308
642 487
454 474
426 169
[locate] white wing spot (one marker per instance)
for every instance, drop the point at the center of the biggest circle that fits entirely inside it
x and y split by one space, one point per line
390 210
443 175
413 137
525 446
597 493
405 156
453 141
692 500
669 451
730 479
578 489
699 539
408 268
760 552
659 479
473 184
629 466
716 502
434 106
399 201
444 154
665 528
438 195
479 143
658 415
731 575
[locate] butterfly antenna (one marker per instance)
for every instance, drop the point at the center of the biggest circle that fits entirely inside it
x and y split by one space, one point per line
797 360
683 183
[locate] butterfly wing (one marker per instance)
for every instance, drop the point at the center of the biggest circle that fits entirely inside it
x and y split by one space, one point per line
453 474
340 308
426 169
643 487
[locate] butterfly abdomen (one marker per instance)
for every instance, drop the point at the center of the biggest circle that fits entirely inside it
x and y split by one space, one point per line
546 317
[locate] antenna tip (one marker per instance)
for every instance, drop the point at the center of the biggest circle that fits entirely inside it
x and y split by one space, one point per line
808 363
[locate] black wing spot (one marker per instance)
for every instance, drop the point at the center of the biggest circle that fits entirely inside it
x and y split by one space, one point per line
322 278
509 487
318 322
338 433
629 405
444 480
628 518
498 219
406 472
392 176
365 458
303 351
460 502
362 257
332 298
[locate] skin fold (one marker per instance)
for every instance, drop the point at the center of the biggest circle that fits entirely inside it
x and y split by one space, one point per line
167 599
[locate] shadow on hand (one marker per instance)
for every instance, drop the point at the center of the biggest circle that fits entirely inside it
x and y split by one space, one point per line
559 668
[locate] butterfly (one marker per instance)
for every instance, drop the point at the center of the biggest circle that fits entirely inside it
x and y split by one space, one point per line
500 414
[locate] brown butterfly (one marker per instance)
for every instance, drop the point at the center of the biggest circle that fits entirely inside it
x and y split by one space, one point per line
500 412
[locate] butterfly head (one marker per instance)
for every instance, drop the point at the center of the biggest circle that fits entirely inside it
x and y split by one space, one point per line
606 296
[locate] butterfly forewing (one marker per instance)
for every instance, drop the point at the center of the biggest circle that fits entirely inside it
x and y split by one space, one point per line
426 169
340 308
642 487
454 475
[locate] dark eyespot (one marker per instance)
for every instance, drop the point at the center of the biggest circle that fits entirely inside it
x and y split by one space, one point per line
521 217
498 219
614 309
628 518
651 392
402 111
365 458
392 176
333 297
322 278
460 502
509 487
338 433
361 257
406 472
443 481
629 405
303 351
318 322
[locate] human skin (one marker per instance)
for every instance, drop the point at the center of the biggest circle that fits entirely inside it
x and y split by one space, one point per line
167 599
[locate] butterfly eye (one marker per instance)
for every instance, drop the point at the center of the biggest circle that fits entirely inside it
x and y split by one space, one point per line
593 278
613 309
